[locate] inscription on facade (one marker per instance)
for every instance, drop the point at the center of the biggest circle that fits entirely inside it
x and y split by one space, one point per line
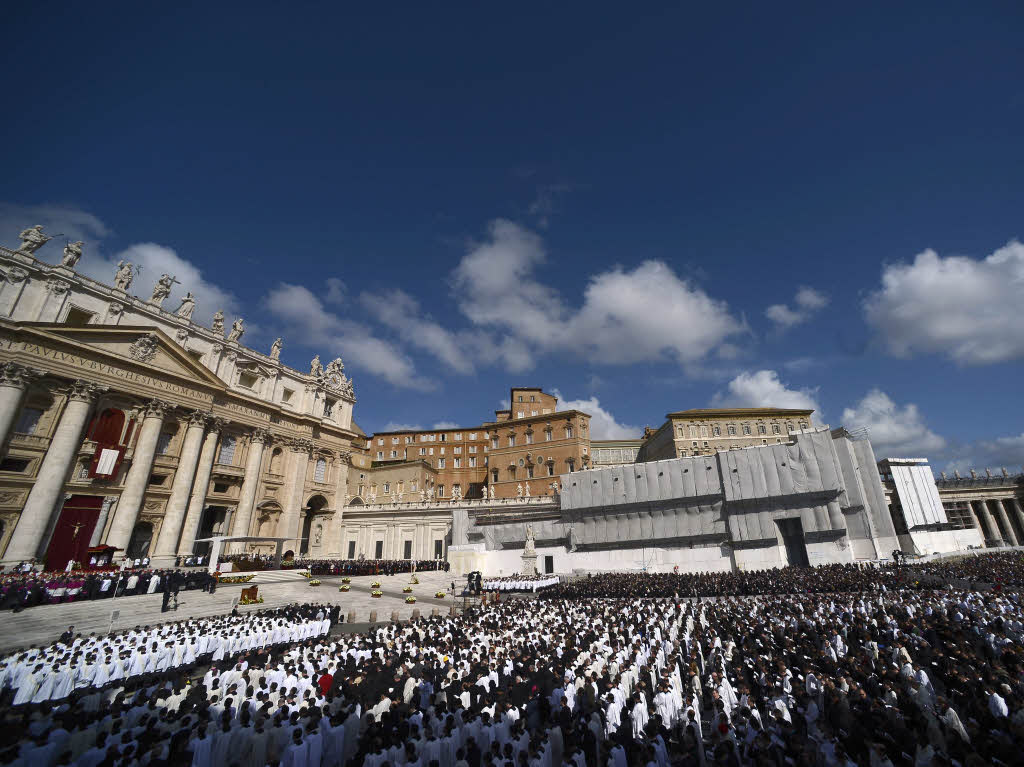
83 363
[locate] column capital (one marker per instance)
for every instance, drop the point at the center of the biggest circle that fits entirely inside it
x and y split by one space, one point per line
216 423
260 434
17 375
300 445
156 408
83 391
197 418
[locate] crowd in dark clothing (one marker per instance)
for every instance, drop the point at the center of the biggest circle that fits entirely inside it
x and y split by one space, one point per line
366 566
998 569
31 589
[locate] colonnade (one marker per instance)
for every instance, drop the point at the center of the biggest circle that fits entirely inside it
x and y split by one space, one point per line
1000 520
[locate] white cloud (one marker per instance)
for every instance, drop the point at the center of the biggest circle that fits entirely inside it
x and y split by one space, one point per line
442 425
894 431
807 301
995 454
964 308
73 222
639 315
310 323
335 291
602 423
393 426
764 389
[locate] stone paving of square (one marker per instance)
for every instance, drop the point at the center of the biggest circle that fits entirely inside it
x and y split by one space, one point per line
46 623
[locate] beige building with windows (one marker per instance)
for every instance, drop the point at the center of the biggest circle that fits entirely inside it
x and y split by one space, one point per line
128 424
707 431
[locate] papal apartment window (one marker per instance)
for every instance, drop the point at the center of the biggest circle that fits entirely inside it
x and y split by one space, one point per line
444 437
413 486
762 429
442 451
430 450
746 429
440 491
693 431
533 413
380 442
703 431
520 397
568 432
532 399
472 462
472 435
547 435
494 475
394 454
387 488
511 472
693 444
440 463
458 436
472 448
457 450
380 455
529 472
457 463
494 442
520 414
732 431
529 438
551 469
394 440
423 451
803 425
512 441
775 428
28 420
717 431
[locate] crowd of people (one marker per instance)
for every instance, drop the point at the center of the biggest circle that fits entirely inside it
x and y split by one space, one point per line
530 583
866 673
19 590
367 566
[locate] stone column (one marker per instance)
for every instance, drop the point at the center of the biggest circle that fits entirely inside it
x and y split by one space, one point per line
1005 519
1018 511
27 538
294 487
14 380
200 486
138 475
989 533
977 522
333 544
259 439
181 488
101 520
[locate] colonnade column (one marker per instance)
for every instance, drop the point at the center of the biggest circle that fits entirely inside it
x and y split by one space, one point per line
294 487
259 439
334 545
138 476
199 488
14 381
181 488
1004 517
53 473
1018 512
987 523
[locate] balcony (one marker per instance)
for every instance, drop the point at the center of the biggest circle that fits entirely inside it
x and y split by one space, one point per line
30 441
226 470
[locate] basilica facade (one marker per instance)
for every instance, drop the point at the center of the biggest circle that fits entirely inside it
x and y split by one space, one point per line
127 423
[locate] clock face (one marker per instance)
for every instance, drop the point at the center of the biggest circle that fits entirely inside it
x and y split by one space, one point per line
334 380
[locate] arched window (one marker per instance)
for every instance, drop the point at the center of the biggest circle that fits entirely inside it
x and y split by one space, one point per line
320 472
275 460
107 427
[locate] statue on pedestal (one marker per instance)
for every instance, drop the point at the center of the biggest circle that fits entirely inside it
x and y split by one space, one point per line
315 368
237 329
162 289
218 323
527 489
188 303
519 490
124 275
491 491
32 239
72 252
275 350
530 546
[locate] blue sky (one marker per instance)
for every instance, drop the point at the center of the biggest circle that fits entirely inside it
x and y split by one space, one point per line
646 211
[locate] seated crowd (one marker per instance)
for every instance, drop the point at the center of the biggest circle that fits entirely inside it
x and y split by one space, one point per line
368 566
862 676
531 583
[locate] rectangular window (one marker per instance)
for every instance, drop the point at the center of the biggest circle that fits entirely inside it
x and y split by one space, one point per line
14 464
717 431
440 491
444 437
163 443
409 440
77 318
442 451
703 431
286 396
456 489
157 479
387 488
511 472
494 475
351 549
430 450
512 440
547 435
380 442
551 469
529 438
568 432
458 436
761 429
394 440
438 548
227 450
247 380
320 470
529 472
380 455
520 414
494 442
378 550
472 448
746 430
472 435
413 486
394 454
28 420
693 431
457 463
732 431
423 451
440 463
456 450
472 462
